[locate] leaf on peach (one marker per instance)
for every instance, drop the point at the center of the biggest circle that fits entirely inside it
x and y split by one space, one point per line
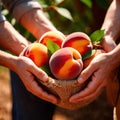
89 54
46 69
97 36
52 47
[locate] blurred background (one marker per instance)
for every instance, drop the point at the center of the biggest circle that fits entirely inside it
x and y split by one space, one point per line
68 16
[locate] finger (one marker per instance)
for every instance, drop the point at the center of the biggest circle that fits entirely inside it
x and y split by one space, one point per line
90 97
22 53
90 89
86 73
39 73
35 89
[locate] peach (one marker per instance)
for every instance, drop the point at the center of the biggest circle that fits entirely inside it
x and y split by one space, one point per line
78 40
38 53
55 36
87 61
66 63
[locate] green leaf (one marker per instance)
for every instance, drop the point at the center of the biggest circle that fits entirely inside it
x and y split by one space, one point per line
88 54
52 47
5 12
46 68
58 1
88 3
97 36
64 12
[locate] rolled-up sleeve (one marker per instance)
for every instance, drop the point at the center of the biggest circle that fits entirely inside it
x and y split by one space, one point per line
2 18
19 7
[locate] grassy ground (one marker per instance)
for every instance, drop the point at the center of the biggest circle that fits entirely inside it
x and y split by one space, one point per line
98 110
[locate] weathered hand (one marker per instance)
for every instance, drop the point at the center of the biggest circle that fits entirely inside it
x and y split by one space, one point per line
101 72
27 71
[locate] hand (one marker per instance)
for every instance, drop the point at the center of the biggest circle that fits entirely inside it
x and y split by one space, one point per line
101 71
108 43
27 71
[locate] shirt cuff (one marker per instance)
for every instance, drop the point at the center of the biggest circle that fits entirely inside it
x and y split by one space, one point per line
24 7
2 18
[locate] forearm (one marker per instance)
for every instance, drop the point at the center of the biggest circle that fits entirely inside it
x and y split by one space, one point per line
29 13
111 23
10 39
115 56
36 22
7 60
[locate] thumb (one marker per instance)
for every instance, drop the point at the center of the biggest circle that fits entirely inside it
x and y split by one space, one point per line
40 74
86 73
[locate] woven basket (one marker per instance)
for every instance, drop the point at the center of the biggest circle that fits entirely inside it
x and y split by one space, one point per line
64 89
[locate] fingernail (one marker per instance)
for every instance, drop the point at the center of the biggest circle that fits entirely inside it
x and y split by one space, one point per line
45 78
80 79
72 101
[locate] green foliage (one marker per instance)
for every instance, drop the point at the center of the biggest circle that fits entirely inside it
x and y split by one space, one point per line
87 3
97 36
46 69
67 15
101 3
64 12
52 47
88 54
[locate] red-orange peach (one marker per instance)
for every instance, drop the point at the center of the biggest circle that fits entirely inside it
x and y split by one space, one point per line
66 63
55 36
78 40
38 53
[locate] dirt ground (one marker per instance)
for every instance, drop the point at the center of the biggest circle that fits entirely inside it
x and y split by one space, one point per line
97 110
5 95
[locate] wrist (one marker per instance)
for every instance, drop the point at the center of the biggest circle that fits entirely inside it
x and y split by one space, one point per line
108 43
8 60
114 55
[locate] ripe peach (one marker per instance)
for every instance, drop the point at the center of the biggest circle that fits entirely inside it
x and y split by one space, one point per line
55 36
66 63
87 61
38 53
78 40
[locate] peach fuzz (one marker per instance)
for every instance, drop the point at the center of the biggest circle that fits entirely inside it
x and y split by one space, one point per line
55 36
66 63
78 40
38 53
